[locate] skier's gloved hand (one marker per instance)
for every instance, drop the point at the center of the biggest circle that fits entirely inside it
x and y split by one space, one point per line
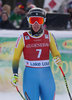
14 80
57 61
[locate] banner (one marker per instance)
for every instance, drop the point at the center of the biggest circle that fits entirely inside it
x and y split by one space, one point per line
53 4
7 44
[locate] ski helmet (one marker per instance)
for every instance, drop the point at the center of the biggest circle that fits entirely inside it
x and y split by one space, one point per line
37 12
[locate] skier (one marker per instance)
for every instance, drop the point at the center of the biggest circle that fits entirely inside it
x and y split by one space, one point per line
36 45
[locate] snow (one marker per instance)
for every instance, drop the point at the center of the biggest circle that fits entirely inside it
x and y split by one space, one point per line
16 33
16 96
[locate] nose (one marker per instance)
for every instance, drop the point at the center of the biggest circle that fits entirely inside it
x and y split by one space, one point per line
36 23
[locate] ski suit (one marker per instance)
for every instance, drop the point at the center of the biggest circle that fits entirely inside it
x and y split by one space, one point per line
37 78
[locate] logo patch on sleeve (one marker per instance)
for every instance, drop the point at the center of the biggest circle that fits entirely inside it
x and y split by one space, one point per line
27 37
46 36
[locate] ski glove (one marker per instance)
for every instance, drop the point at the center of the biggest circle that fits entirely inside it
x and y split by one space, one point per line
14 80
57 61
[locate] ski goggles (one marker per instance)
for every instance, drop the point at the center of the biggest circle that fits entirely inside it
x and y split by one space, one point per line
32 20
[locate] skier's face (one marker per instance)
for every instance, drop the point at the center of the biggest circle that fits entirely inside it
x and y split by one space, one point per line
36 26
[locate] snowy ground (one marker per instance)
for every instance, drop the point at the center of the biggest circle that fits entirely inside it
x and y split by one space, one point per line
16 96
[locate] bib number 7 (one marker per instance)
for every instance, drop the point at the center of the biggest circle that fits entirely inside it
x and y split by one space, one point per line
39 52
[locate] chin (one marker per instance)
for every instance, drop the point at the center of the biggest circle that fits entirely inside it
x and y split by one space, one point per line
36 30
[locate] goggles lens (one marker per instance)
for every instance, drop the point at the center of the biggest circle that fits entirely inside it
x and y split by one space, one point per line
32 20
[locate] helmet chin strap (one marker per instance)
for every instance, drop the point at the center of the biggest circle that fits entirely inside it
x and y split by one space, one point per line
36 33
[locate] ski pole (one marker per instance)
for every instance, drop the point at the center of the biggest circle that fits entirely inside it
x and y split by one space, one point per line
20 93
66 83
